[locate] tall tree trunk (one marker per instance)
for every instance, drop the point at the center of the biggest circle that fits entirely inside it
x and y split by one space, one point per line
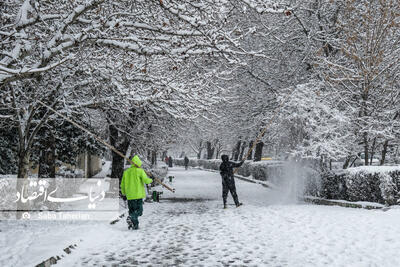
200 150
372 151
242 151
154 158
217 150
210 150
384 152
364 114
47 161
117 165
23 164
250 157
149 155
258 152
23 168
366 151
236 151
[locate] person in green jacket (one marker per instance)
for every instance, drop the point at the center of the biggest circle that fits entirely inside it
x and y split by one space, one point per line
132 186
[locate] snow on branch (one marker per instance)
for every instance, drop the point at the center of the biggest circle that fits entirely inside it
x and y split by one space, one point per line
262 8
8 74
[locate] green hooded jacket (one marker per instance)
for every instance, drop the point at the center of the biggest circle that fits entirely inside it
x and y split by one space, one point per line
133 180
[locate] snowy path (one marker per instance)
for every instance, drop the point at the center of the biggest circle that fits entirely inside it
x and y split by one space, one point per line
261 233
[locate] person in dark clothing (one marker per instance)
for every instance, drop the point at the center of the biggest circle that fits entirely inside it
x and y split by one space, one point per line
228 181
186 162
170 162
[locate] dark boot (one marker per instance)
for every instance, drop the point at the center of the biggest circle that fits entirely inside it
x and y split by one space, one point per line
130 223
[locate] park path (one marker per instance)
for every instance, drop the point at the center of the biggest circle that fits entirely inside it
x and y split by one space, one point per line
192 229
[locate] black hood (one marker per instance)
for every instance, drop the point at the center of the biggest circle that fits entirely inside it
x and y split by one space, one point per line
225 158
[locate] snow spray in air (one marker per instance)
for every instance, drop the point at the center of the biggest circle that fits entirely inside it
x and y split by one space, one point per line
295 181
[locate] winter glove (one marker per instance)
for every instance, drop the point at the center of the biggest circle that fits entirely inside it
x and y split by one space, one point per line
123 197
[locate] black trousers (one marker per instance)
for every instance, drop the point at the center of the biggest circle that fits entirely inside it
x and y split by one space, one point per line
228 184
135 210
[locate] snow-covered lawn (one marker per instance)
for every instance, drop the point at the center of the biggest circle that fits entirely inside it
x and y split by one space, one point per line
192 229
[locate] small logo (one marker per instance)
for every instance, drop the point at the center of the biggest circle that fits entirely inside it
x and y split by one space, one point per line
26 216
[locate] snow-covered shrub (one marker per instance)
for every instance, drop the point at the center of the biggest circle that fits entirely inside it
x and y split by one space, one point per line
246 169
389 187
363 186
259 172
366 183
333 186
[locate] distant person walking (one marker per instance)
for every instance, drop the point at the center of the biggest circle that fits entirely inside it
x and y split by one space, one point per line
186 162
170 161
132 187
228 181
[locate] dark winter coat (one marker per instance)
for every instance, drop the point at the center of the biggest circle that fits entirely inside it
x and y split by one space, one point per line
226 167
186 160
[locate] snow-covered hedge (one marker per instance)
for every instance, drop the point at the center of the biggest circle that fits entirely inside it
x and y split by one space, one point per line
366 183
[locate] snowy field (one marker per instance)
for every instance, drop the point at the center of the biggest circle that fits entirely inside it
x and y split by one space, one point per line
192 229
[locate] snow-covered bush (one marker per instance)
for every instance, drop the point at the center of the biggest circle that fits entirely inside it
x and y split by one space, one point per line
366 183
333 186
363 186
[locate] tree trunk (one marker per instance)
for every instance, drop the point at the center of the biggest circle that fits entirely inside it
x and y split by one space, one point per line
23 164
117 165
200 150
237 150
242 151
250 157
366 152
154 158
372 151
258 152
210 150
149 155
23 168
384 152
218 150
346 162
47 161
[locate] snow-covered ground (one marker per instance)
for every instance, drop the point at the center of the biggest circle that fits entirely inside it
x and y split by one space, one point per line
192 229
